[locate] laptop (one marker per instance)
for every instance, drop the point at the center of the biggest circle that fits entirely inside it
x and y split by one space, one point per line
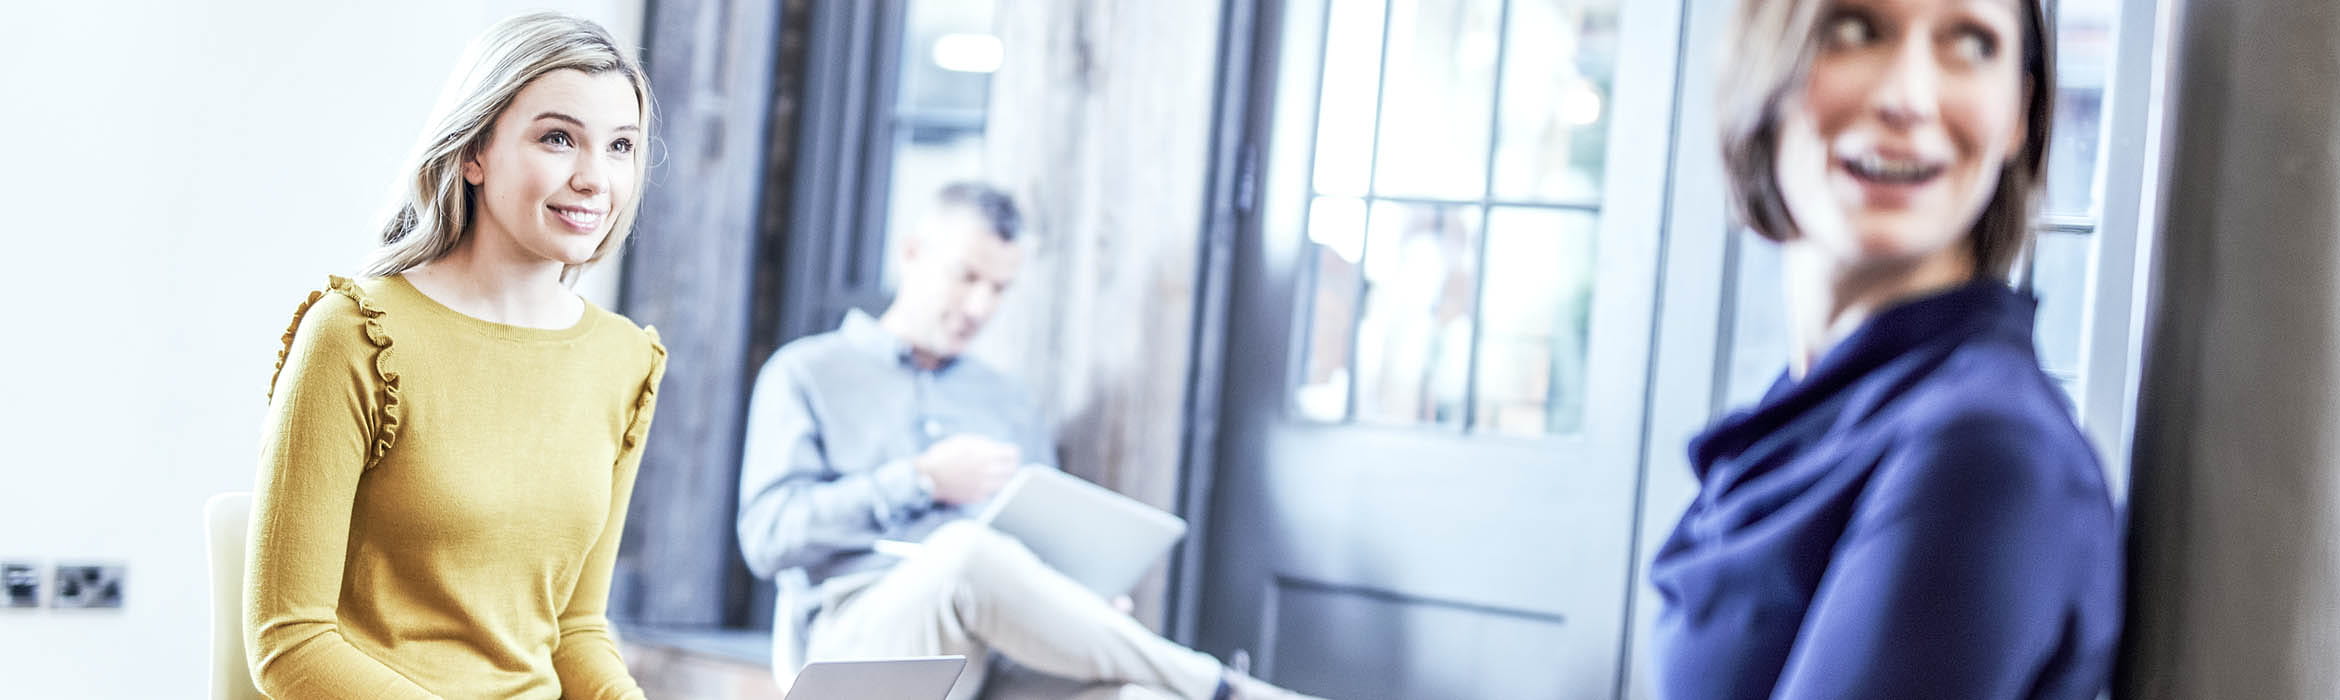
923 678
1103 540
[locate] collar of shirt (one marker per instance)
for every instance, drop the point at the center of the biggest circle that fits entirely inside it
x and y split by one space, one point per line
1984 310
866 333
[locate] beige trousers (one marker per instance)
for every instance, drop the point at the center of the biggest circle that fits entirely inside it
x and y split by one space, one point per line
972 591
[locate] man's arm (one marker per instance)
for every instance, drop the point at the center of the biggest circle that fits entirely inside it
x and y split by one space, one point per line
795 508
1035 436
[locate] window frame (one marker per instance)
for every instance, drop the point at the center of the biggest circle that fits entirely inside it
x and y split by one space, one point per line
2128 157
1484 206
836 247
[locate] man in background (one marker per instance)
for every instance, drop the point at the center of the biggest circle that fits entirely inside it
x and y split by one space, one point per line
882 431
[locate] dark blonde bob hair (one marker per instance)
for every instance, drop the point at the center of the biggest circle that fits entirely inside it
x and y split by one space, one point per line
1768 60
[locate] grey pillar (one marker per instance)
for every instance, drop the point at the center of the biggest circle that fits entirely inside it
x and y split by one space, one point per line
2235 539
692 271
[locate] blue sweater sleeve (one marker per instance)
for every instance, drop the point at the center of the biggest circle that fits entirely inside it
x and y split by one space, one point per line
1944 584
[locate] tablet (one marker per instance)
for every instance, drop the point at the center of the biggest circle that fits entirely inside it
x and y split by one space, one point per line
921 678
1104 540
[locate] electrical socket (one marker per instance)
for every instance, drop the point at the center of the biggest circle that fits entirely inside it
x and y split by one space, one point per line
88 586
20 584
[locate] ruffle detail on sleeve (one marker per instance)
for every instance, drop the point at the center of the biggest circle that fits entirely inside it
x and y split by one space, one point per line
639 427
386 429
285 353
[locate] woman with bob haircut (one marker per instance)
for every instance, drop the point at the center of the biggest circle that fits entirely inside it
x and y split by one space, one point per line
451 440
1910 511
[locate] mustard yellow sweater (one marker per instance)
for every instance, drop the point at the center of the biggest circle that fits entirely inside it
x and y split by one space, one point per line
440 500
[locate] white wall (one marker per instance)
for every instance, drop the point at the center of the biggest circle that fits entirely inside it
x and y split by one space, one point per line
177 176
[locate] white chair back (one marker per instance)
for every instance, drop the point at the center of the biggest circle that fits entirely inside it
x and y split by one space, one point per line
227 519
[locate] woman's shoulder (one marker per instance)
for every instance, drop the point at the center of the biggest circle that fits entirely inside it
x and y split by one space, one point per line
341 314
1992 422
337 322
637 341
2002 383
639 359
338 301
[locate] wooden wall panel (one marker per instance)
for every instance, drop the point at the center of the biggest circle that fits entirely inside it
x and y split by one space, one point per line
692 273
1100 126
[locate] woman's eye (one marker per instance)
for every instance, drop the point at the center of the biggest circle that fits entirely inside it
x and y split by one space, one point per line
556 138
621 146
1850 30
1975 46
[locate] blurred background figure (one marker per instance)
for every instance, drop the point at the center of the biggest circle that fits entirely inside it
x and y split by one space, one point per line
1910 511
882 430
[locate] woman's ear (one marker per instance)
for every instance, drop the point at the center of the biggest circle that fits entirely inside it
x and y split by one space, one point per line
473 171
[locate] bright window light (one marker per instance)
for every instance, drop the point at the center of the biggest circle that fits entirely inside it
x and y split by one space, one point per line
967 53
1582 107
1338 223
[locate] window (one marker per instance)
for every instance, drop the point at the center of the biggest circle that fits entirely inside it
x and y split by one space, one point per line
944 86
2061 264
1455 194
897 95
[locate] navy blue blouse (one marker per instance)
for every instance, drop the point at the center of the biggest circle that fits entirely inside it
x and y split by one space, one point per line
1917 518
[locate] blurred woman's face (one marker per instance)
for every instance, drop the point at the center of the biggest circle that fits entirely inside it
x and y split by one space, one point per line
559 164
1895 144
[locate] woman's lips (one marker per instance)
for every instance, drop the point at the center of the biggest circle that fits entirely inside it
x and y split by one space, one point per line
1890 182
580 219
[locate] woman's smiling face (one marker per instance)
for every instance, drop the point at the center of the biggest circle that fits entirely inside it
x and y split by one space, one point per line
1896 141
559 164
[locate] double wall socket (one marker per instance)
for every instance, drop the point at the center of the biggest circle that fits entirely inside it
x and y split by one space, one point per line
20 584
73 585
88 586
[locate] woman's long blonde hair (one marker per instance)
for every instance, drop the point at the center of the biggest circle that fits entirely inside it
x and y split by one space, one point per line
435 206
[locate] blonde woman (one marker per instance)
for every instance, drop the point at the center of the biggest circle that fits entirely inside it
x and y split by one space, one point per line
451 440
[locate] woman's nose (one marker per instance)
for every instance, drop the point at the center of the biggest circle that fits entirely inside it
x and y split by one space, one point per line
590 177
1909 92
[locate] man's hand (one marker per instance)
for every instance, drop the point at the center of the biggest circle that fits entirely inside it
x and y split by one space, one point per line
967 468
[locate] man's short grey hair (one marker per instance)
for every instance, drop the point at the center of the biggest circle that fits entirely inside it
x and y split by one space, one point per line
996 207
